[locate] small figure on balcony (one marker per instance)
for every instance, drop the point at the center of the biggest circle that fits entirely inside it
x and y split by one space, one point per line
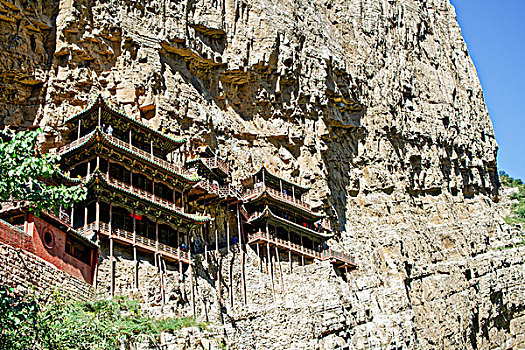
110 130
183 247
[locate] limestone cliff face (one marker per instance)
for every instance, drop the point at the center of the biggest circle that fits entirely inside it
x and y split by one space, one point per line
376 104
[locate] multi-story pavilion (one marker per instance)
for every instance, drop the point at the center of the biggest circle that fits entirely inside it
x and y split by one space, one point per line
277 216
138 193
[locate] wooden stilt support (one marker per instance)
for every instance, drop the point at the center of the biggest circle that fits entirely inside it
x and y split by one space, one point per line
260 258
227 226
271 261
192 291
347 276
243 277
302 246
290 253
111 253
135 257
162 270
280 268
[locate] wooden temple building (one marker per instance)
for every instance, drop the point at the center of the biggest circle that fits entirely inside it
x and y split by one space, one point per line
278 217
138 194
159 196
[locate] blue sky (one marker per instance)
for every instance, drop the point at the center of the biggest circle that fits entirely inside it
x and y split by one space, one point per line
495 35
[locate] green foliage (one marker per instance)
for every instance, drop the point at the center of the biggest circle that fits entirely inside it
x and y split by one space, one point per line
518 208
24 170
63 324
18 320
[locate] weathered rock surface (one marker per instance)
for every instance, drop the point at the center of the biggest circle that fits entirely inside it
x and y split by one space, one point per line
376 104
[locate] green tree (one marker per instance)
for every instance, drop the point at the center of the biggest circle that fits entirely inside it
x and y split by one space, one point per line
25 171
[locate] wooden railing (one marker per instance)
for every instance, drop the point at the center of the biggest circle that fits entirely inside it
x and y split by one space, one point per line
143 193
175 168
149 244
75 143
15 236
328 254
216 163
284 244
285 197
221 191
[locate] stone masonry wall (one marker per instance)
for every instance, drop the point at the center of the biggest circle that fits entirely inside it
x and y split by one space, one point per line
28 273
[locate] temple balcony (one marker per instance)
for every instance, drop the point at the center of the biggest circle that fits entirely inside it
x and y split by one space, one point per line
305 228
251 194
335 257
126 189
216 164
132 150
141 242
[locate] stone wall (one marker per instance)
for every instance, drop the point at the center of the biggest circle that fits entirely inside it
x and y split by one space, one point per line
28 273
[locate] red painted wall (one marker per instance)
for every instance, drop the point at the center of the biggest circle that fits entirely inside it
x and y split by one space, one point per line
56 254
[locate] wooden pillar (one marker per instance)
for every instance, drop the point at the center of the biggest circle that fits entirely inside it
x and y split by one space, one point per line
99 115
130 137
162 270
107 173
280 268
151 147
111 251
259 256
88 168
85 219
281 185
182 201
290 251
192 295
72 215
293 192
178 252
243 277
135 257
227 226
302 246
78 133
97 215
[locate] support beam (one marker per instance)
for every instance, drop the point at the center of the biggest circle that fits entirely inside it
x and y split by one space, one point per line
78 133
290 252
135 257
280 268
192 295
85 219
97 215
99 115
302 246
243 277
227 227
111 251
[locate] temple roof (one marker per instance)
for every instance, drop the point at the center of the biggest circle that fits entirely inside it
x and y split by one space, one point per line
110 113
267 215
275 179
98 136
275 196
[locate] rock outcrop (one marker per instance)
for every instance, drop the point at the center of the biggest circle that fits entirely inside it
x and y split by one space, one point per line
375 104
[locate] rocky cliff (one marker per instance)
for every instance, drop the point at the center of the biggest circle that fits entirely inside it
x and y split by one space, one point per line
375 104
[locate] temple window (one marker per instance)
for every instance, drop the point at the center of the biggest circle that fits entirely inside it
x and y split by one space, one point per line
78 250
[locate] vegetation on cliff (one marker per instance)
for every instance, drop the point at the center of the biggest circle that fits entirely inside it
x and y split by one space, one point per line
60 323
518 197
24 171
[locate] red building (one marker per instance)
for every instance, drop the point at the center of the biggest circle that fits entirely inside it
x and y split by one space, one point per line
50 238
